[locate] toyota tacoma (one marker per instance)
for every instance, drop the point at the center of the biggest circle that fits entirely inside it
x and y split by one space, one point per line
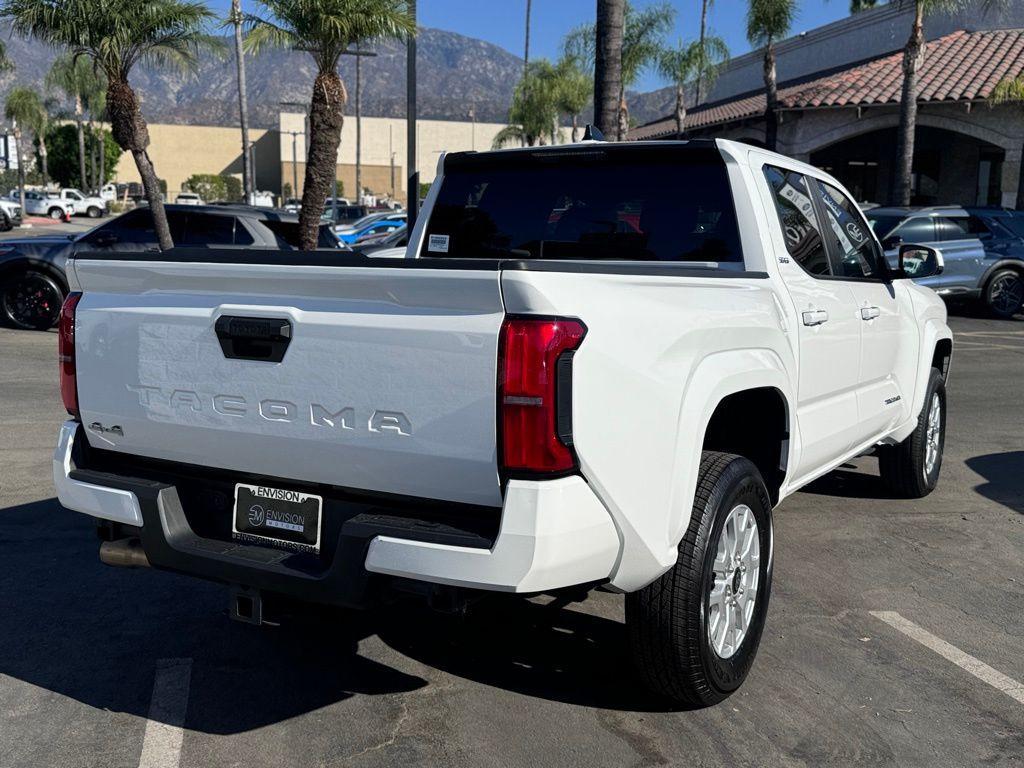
599 366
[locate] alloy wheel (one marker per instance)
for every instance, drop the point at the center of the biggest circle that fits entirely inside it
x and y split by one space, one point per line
1007 293
32 302
933 435
737 573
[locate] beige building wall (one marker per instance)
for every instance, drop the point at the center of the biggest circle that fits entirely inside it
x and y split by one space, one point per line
178 151
383 142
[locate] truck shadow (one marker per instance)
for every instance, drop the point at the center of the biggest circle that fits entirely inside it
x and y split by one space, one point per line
1004 478
70 625
850 482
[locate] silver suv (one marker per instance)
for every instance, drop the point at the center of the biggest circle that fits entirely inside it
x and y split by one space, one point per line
983 249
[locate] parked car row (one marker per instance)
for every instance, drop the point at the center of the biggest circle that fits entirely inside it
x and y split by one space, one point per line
983 250
60 204
32 279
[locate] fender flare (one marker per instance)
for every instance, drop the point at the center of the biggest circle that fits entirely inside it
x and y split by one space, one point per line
715 377
934 330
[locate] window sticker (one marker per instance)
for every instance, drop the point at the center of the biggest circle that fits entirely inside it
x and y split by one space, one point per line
438 244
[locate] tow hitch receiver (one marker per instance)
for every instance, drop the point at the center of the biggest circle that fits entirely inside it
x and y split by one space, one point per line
246 605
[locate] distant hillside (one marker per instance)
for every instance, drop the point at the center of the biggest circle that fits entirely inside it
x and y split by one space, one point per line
455 73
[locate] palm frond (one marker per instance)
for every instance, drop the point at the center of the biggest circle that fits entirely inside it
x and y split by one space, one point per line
508 135
1008 90
769 20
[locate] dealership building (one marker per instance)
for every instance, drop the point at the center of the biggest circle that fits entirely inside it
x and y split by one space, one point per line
839 94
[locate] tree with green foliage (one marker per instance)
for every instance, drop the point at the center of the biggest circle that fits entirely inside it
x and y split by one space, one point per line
694 61
62 141
212 187
767 22
574 89
533 116
324 29
114 36
856 6
26 109
82 84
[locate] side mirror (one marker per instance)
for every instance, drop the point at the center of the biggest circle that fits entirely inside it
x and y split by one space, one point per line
892 241
918 261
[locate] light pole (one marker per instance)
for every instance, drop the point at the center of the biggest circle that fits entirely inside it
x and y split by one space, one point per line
410 122
305 142
359 121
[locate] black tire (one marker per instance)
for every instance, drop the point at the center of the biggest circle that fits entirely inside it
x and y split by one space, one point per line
668 620
1004 293
94 212
56 213
31 300
6 225
904 466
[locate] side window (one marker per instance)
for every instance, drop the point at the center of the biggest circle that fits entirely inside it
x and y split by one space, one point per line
800 226
855 247
919 230
952 228
976 227
204 229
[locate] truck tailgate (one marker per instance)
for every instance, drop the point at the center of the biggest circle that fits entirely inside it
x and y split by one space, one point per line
387 380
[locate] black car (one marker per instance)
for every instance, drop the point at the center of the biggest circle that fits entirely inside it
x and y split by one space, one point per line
32 281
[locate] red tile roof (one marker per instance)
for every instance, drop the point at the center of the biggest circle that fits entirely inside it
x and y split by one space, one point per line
962 66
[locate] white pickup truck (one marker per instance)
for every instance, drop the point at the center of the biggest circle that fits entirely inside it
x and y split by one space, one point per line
598 366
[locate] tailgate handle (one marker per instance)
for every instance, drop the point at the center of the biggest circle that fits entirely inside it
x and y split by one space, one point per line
254 338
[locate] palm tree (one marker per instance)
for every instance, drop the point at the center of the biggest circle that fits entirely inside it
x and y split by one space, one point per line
115 35
324 29
526 46
1007 90
913 60
605 47
236 18
699 60
75 78
767 21
25 111
705 5
856 6
641 47
24 106
533 117
573 91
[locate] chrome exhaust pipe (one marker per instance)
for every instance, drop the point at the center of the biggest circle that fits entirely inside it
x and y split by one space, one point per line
124 553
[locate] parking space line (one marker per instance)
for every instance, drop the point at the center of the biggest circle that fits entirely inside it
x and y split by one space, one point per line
965 661
161 746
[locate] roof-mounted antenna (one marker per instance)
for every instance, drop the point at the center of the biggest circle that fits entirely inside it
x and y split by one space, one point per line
591 133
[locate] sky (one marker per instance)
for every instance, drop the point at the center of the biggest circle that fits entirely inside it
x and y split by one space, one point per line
502 22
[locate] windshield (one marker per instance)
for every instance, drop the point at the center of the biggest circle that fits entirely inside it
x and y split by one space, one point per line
614 202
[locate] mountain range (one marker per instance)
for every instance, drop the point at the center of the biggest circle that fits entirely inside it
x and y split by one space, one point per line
457 76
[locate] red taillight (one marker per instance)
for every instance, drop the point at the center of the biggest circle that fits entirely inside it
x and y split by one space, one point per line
66 353
532 437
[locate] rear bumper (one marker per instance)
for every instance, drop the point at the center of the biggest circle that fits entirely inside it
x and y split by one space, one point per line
552 534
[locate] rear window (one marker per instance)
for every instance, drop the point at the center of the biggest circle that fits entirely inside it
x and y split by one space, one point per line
630 203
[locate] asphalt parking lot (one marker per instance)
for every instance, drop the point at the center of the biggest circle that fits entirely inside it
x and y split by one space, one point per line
895 634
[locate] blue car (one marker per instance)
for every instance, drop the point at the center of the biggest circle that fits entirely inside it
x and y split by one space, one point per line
983 250
379 226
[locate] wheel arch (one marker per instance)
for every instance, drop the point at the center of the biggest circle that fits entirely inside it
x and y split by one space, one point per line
1015 264
723 388
23 264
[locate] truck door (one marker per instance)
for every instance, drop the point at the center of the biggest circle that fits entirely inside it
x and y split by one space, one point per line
888 356
829 334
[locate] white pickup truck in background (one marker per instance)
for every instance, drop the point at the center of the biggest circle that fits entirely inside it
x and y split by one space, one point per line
599 366
83 204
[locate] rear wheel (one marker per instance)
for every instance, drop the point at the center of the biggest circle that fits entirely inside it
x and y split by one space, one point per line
31 300
94 212
695 631
56 213
1004 293
911 469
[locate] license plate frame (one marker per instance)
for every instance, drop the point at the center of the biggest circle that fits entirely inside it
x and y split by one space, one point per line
278 517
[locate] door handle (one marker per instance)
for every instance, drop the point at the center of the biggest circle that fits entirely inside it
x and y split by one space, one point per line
869 313
815 317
